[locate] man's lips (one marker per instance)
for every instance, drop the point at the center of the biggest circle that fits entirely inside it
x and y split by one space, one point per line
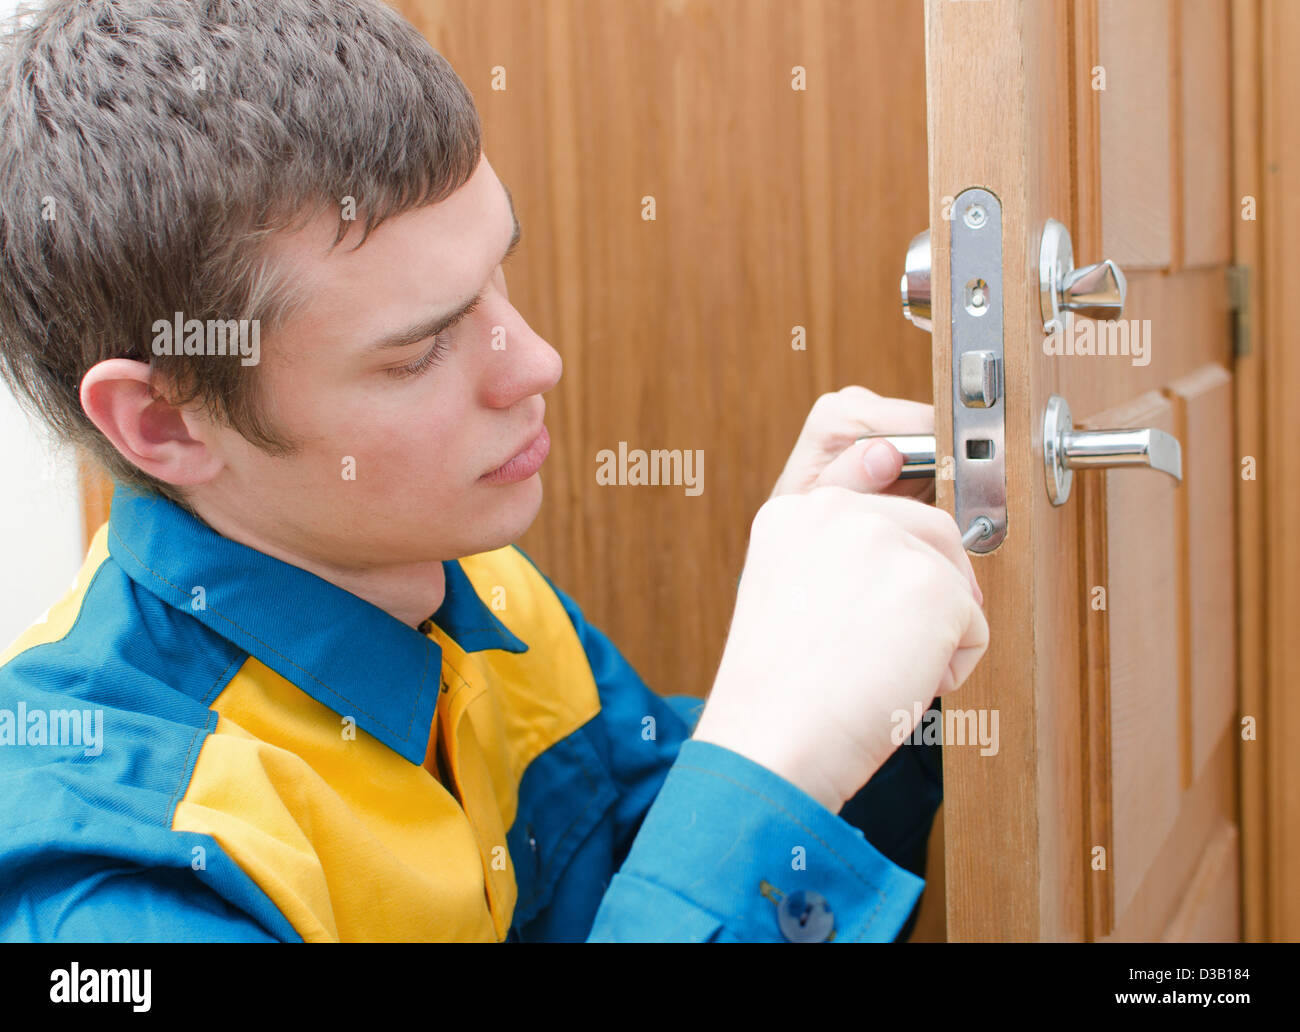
525 462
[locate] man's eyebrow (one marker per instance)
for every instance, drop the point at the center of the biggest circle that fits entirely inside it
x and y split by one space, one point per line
432 326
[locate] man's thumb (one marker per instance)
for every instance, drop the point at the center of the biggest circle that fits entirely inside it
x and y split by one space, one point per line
868 467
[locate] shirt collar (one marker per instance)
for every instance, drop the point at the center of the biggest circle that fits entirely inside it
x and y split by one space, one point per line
470 623
343 651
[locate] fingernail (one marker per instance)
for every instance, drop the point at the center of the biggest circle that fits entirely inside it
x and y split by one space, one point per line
878 462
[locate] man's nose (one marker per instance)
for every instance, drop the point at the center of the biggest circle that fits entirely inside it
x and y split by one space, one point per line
518 363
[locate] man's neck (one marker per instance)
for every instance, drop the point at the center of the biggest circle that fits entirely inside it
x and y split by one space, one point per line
410 593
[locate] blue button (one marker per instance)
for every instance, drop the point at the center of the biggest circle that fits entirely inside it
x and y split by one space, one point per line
532 845
805 917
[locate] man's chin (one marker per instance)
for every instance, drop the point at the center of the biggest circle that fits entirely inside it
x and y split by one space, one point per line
511 510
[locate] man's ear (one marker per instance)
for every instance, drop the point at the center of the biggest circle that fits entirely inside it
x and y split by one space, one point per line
161 439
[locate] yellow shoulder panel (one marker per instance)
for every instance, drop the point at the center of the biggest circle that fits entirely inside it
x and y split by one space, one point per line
57 621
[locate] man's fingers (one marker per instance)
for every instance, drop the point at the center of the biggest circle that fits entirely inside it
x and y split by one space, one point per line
919 488
855 411
935 529
970 650
867 467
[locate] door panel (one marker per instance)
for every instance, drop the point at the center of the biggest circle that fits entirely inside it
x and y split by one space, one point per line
1163 656
1209 912
1204 38
1169 888
1135 161
1203 409
1117 796
1140 614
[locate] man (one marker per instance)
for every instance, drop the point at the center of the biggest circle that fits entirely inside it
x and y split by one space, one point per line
253 261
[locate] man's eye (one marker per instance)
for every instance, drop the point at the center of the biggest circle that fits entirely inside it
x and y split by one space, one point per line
435 354
430 358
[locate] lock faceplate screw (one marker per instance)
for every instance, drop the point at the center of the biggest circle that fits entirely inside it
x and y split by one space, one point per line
980 528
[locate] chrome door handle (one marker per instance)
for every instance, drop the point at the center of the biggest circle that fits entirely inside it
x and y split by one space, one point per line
1066 449
1095 291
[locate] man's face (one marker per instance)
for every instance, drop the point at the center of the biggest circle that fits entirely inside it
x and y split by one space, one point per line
357 379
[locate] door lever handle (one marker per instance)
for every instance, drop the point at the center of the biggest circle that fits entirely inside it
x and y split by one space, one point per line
1066 449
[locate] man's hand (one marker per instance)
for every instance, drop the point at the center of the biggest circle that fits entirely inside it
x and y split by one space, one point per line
852 609
828 451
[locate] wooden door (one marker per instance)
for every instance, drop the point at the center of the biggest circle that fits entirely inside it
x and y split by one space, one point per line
1110 809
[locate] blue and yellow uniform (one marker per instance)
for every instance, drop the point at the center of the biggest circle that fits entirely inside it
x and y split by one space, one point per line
278 759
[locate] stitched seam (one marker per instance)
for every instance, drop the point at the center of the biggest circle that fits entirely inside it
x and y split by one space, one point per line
338 695
222 681
880 902
453 692
182 783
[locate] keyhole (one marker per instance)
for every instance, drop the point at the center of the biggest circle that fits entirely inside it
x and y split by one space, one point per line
977 297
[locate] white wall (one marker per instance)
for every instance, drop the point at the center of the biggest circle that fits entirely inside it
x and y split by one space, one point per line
40 512
40 521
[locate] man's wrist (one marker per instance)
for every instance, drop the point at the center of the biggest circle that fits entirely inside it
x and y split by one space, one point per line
780 761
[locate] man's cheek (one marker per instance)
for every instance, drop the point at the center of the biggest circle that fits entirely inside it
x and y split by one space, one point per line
399 444
414 470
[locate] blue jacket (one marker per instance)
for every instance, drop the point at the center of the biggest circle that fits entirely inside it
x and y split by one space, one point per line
201 742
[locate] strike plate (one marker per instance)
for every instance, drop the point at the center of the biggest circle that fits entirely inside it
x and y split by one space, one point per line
978 402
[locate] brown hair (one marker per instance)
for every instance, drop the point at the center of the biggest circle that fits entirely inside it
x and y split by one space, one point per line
147 149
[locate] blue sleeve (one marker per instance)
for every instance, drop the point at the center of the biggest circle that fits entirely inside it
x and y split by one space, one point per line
708 843
726 840
72 902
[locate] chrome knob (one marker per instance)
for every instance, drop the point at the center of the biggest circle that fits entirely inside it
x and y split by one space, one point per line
915 285
1094 291
1066 449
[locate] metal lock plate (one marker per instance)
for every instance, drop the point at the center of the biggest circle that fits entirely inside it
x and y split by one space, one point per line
978 392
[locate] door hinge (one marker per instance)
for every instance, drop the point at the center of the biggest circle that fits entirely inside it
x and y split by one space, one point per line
1239 302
